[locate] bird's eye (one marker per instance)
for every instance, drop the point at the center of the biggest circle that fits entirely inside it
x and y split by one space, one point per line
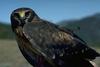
27 14
16 15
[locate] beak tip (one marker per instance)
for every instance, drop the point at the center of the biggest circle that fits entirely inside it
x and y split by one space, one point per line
22 14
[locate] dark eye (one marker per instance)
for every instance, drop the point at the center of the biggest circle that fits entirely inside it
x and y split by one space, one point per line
16 15
27 14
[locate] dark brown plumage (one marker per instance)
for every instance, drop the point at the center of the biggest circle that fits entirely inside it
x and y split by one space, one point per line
45 44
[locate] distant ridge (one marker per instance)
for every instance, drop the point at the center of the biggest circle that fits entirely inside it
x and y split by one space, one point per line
87 28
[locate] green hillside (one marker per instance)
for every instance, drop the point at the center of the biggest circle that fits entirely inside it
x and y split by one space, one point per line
5 31
87 28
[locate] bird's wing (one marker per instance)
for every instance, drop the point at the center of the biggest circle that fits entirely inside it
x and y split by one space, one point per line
86 51
81 46
71 32
56 42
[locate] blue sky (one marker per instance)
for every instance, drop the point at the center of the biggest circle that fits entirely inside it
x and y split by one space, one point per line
52 10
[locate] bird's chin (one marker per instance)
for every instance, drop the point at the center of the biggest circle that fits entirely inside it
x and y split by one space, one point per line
21 24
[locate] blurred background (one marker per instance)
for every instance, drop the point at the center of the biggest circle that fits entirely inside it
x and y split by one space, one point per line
81 16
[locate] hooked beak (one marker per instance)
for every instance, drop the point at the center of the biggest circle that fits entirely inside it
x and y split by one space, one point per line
22 14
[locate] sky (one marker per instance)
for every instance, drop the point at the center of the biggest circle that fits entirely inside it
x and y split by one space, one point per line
51 10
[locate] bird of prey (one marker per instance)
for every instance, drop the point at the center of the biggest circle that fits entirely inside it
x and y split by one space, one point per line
45 44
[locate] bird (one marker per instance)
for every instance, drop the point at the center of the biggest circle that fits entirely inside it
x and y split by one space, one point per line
45 44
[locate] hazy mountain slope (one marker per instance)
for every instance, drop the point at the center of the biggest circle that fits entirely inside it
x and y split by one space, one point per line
87 28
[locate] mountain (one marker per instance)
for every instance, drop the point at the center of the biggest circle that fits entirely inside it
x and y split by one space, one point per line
87 28
5 31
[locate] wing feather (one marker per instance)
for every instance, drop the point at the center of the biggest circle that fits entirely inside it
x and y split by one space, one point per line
52 41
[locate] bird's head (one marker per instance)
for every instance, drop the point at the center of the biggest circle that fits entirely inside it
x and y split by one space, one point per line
21 16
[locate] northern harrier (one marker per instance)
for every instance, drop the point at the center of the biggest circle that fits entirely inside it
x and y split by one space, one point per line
45 44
